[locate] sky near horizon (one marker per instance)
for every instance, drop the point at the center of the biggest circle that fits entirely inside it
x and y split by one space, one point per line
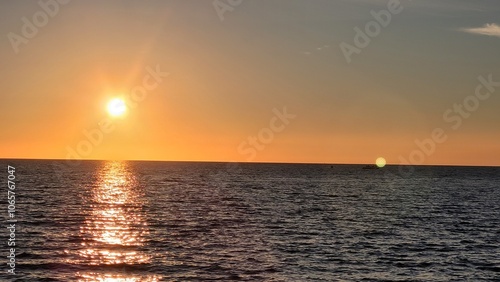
261 81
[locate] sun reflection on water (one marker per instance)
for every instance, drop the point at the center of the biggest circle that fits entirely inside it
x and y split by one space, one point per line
114 230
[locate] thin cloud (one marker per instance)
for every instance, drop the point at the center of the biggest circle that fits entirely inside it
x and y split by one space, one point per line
491 29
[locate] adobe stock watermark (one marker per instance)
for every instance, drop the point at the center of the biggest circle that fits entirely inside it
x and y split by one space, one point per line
265 136
31 27
12 219
453 116
95 136
223 6
255 143
372 29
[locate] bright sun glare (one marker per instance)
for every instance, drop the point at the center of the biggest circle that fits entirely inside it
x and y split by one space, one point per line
116 107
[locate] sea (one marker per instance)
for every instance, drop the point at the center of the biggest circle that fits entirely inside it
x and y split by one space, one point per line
202 221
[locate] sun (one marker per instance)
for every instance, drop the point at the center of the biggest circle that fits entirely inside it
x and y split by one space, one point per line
116 107
380 162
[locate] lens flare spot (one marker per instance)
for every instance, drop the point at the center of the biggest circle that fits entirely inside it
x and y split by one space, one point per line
380 162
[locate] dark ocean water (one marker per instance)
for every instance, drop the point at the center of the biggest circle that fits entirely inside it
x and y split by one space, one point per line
167 221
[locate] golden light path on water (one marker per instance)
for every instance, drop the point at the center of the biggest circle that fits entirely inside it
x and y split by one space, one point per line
114 229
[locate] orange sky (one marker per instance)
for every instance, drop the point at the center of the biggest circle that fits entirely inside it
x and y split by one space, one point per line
226 77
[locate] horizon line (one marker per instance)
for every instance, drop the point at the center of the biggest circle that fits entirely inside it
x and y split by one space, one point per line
242 162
